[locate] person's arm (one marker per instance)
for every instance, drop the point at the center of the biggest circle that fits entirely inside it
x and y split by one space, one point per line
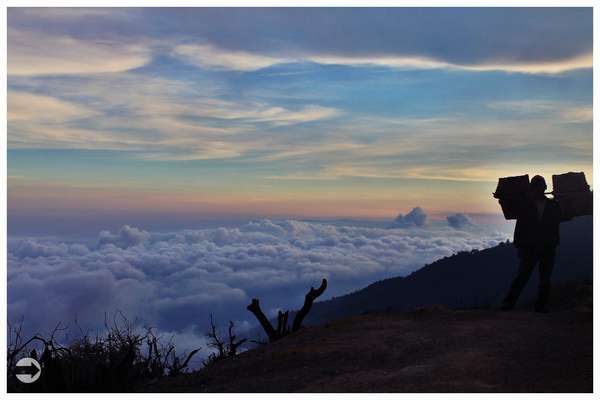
521 205
517 207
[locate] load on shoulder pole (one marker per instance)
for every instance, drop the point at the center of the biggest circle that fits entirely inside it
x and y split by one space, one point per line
573 194
570 190
512 191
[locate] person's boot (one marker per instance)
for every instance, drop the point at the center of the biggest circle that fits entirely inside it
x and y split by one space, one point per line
542 300
507 306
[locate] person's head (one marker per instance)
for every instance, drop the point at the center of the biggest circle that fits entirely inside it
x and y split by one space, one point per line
538 185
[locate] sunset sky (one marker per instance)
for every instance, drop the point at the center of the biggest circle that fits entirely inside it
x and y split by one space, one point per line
172 113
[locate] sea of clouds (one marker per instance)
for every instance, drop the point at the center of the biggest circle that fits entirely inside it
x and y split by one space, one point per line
174 281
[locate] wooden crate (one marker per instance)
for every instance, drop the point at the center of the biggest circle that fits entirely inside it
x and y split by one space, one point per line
573 194
511 192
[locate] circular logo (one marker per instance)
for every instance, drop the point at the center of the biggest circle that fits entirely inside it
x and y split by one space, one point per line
28 370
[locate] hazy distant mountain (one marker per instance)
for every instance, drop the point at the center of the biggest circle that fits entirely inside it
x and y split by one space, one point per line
465 280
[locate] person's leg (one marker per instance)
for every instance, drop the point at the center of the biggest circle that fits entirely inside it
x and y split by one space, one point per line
527 261
546 267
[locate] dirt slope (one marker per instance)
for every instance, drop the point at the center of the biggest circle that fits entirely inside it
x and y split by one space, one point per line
427 350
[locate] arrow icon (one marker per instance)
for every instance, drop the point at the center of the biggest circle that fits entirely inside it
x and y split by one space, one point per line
28 370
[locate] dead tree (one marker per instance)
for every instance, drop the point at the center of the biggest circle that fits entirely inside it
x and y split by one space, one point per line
282 317
215 342
224 349
232 348
255 309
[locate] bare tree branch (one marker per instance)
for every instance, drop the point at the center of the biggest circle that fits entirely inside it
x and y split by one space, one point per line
310 297
282 317
254 308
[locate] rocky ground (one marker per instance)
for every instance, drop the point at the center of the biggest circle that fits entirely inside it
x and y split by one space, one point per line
430 349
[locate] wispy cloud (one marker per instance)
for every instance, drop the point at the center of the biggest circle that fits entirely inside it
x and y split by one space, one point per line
451 149
67 13
581 61
579 114
232 111
460 172
35 108
211 56
412 62
38 53
563 110
164 119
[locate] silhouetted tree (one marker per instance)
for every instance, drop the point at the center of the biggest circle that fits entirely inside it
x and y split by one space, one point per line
224 348
282 317
109 362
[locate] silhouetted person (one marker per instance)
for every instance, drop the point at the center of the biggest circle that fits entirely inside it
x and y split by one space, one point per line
536 238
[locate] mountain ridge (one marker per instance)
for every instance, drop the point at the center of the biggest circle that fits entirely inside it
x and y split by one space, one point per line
469 279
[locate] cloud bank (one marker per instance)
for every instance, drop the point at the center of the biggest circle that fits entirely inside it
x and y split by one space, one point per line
173 281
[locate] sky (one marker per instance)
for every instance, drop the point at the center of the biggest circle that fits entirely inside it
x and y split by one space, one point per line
172 163
169 114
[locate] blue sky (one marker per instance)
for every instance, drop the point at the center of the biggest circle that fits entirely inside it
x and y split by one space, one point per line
358 113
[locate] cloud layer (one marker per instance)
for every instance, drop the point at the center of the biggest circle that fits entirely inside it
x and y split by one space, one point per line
174 280
303 98
525 39
542 40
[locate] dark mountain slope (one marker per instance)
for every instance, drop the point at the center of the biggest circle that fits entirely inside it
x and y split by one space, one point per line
465 280
427 350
